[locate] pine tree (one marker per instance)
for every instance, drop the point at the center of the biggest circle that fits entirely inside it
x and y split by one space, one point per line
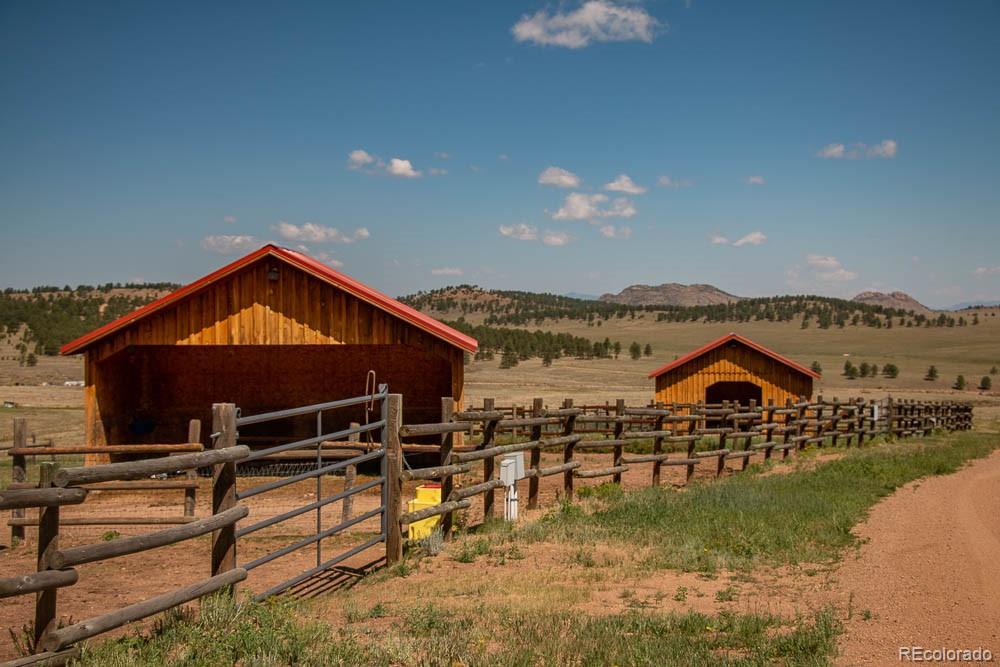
851 373
864 369
509 358
891 371
932 374
985 384
547 358
648 351
635 350
816 368
617 348
960 382
848 368
32 360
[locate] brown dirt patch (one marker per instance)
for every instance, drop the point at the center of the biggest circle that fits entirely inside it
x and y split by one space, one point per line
930 570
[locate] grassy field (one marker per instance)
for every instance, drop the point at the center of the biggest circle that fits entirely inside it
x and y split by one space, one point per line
739 571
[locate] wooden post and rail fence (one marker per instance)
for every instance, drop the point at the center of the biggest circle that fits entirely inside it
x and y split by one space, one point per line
678 435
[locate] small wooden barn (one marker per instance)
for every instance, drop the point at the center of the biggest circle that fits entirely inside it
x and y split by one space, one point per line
732 368
272 330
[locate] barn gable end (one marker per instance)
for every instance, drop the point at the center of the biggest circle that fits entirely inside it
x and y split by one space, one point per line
272 330
732 368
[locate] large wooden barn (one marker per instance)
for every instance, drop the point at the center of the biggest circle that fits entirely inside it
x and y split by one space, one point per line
732 368
275 329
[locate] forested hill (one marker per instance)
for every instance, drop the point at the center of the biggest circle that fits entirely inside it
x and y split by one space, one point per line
43 319
507 307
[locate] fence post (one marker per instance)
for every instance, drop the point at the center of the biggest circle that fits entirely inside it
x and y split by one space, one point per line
48 543
536 455
489 463
619 429
657 447
18 474
568 427
190 495
224 488
447 481
392 467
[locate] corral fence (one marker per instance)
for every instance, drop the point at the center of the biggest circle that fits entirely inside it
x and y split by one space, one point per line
681 435
26 459
688 435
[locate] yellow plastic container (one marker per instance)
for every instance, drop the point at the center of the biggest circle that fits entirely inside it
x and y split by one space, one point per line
428 495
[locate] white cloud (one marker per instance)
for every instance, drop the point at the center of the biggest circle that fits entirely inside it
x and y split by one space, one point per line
884 149
503 156
447 271
833 151
623 183
593 21
755 180
823 261
984 271
401 168
718 239
313 233
753 238
359 159
667 182
611 232
442 155
229 218
520 231
230 244
558 177
828 269
581 206
556 238
437 171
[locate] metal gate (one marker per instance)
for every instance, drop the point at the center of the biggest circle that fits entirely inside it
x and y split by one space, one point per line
373 402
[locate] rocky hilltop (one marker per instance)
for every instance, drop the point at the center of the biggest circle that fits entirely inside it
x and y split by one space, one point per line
670 294
899 300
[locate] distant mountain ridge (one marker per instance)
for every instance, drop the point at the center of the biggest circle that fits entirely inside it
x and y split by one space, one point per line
671 294
898 300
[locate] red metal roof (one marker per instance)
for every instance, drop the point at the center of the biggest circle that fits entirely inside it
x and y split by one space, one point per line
305 263
722 341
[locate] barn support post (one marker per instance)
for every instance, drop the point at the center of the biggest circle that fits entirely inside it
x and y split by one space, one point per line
536 454
447 481
224 488
489 463
619 429
392 486
48 543
18 474
190 494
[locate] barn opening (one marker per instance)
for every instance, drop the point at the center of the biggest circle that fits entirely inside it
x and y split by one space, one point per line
738 392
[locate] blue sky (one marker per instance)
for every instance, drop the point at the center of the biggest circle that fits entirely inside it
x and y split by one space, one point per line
767 147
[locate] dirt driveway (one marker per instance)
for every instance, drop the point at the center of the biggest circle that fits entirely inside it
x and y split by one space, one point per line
929 573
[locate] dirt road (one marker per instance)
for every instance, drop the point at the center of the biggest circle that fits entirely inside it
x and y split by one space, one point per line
929 574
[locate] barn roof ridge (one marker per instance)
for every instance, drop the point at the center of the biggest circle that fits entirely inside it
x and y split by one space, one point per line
304 263
722 340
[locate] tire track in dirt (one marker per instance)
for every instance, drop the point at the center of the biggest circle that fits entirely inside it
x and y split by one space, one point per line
929 573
